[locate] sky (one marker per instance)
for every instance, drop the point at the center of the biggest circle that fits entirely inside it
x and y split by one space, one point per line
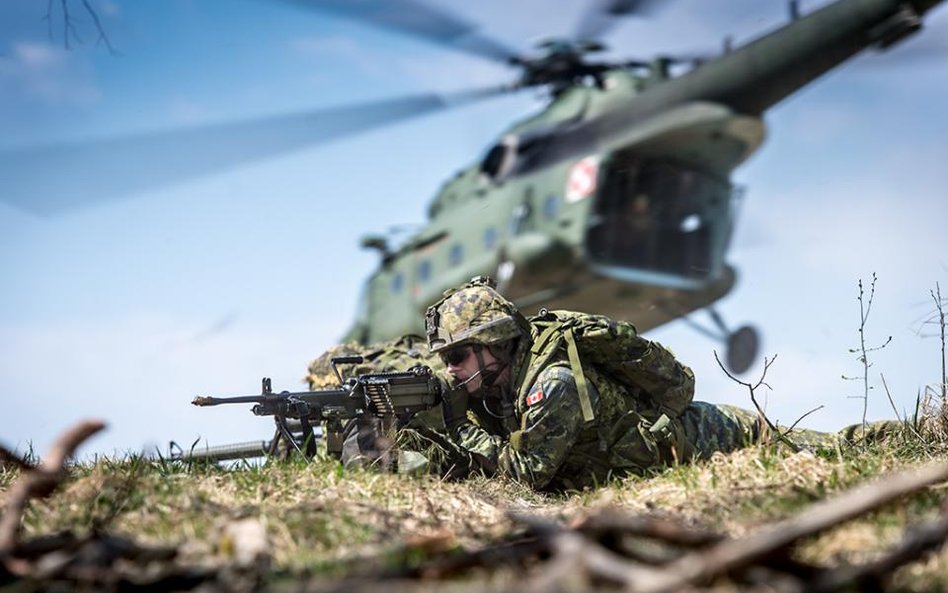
126 309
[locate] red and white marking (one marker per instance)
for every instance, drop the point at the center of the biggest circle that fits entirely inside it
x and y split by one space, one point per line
582 178
535 398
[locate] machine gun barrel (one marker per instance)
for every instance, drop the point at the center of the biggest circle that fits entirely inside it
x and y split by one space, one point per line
205 400
301 404
246 450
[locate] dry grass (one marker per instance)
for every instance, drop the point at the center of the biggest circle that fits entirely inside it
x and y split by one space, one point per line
318 518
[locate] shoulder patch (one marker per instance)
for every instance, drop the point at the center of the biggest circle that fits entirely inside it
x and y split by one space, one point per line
535 397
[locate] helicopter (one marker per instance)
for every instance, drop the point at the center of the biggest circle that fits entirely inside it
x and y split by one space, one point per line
616 198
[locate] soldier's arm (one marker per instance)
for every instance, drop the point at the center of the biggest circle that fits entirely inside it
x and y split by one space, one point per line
549 429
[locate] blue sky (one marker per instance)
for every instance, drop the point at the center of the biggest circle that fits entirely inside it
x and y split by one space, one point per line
127 309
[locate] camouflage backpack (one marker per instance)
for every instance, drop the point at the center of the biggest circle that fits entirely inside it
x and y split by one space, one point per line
648 371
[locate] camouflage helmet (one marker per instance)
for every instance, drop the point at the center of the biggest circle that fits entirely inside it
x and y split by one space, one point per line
473 314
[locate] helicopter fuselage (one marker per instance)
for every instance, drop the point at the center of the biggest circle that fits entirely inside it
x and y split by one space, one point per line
617 197
635 230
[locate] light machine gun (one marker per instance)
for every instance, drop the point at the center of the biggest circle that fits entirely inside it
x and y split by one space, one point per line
391 397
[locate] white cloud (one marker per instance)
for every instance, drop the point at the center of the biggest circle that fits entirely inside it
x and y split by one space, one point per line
184 111
54 76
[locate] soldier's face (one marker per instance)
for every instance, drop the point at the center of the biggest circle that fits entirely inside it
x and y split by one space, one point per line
463 365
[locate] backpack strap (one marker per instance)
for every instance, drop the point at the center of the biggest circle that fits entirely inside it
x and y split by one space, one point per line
581 385
543 350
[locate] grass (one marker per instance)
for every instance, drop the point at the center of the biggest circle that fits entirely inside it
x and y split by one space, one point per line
318 518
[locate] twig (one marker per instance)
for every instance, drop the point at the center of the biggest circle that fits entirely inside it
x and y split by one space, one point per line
42 480
652 527
8 457
574 554
919 540
761 416
69 28
103 38
800 419
730 555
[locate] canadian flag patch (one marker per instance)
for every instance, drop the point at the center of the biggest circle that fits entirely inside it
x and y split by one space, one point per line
535 398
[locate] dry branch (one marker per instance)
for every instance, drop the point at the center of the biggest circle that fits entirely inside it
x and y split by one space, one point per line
918 541
734 554
41 481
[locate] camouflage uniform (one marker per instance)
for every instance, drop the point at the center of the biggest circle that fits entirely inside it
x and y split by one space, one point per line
539 434
550 446
545 439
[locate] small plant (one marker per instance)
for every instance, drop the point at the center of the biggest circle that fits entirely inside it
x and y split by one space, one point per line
931 407
937 318
865 306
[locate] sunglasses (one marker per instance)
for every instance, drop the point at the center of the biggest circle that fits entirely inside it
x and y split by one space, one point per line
456 356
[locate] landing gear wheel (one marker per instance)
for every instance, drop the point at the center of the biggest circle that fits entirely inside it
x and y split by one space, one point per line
742 348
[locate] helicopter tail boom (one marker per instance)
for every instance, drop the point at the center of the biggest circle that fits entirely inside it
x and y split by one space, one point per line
798 53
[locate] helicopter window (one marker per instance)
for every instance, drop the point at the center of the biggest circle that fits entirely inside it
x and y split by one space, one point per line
490 238
519 219
550 207
456 256
522 213
491 164
655 216
398 281
424 270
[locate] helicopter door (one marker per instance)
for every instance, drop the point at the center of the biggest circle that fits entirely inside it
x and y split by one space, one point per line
659 217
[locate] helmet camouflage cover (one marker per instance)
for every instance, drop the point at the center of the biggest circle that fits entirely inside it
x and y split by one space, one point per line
473 314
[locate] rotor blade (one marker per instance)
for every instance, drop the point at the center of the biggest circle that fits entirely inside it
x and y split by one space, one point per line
51 179
602 15
418 20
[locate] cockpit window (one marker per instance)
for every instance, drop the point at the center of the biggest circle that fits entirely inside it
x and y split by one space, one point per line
492 162
500 158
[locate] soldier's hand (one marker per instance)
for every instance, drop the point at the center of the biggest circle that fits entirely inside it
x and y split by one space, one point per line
454 408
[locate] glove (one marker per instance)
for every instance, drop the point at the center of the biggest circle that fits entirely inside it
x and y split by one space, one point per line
454 409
